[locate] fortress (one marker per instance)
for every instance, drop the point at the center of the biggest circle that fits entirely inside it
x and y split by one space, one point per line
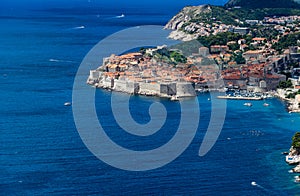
162 89
137 73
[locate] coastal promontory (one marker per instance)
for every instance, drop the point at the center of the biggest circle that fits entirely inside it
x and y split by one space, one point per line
238 47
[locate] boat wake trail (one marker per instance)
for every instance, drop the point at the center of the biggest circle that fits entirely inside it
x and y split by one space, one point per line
121 16
261 187
79 27
115 17
60 61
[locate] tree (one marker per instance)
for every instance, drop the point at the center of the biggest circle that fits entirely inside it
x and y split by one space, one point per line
239 59
143 50
234 47
285 84
177 57
286 41
296 140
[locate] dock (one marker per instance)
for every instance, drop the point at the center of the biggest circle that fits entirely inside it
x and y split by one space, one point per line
240 98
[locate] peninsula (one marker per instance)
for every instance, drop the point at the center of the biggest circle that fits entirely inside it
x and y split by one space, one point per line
242 46
157 71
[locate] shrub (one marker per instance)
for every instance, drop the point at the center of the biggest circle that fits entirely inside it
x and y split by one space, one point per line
296 140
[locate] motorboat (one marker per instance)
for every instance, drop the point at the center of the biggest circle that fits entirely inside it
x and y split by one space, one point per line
67 104
174 98
248 104
292 159
297 178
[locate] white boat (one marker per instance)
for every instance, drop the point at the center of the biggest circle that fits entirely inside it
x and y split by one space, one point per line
248 104
67 104
174 98
266 104
253 183
292 159
297 178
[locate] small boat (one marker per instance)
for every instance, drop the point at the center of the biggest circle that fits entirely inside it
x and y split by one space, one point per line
292 160
174 98
248 104
67 104
121 16
297 178
253 183
266 104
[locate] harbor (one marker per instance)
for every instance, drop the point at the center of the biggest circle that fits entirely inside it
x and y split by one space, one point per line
245 95
240 98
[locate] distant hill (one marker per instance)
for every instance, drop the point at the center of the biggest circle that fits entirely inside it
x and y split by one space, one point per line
193 21
264 3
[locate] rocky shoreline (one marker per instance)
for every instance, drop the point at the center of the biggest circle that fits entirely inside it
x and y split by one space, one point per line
171 90
292 104
293 156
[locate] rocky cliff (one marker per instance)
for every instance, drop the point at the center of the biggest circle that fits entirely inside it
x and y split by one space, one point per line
186 15
195 21
184 22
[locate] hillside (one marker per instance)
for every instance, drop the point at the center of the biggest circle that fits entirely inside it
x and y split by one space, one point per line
195 21
263 3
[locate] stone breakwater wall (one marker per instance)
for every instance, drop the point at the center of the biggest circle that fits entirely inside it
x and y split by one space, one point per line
166 89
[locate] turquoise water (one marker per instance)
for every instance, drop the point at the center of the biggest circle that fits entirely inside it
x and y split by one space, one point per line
42 153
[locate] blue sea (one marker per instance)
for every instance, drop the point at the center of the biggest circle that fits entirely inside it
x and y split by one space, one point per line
41 151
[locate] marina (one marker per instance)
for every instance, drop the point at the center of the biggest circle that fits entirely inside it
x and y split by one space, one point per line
240 98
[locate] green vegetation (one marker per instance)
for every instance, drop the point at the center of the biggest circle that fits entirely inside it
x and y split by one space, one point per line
286 41
296 140
285 84
170 56
234 46
260 13
219 39
225 37
238 58
268 32
143 50
232 16
293 95
288 74
177 57
263 3
223 15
